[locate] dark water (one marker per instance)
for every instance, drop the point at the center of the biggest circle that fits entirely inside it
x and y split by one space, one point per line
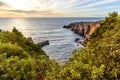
40 29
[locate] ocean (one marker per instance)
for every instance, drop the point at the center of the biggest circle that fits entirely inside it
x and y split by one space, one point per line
62 41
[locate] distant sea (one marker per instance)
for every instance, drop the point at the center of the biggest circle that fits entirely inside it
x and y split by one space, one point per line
40 29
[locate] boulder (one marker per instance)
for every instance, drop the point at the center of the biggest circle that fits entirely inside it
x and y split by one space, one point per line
77 39
66 26
41 44
84 43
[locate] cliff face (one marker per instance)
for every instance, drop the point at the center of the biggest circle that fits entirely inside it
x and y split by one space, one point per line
83 28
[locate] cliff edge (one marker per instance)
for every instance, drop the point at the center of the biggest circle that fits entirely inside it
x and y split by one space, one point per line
84 29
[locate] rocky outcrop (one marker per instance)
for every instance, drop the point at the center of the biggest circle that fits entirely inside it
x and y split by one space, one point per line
84 29
41 44
83 42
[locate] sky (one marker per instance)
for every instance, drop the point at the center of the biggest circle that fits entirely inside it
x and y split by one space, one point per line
58 8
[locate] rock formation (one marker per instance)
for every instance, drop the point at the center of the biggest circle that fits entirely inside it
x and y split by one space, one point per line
77 39
84 29
41 44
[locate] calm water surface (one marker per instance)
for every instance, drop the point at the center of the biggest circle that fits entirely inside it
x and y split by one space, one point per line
40 29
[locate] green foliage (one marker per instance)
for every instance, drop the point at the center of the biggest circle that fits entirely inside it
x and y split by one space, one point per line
15 37
21 58
12 50
13 68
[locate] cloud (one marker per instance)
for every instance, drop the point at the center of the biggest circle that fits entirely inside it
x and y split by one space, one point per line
67 4
74 3
93 9
99 3
31 12
3 4
55 7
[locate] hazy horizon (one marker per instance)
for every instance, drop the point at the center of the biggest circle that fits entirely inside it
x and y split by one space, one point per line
56 17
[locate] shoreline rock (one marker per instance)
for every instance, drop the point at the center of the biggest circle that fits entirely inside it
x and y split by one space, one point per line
84 29
77 39
41 44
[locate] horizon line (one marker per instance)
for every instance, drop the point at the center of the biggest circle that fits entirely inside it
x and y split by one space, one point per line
59 17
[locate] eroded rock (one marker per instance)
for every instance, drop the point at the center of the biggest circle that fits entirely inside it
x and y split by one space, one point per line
84 29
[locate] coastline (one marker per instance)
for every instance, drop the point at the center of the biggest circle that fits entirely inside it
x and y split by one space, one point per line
84 29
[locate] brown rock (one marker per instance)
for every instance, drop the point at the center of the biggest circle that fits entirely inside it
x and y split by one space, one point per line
84 29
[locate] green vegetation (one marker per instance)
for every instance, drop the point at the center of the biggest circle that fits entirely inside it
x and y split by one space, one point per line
21 59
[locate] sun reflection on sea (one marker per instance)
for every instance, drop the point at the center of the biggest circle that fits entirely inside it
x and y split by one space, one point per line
20 24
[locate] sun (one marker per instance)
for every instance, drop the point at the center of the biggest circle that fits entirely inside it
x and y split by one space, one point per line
19 4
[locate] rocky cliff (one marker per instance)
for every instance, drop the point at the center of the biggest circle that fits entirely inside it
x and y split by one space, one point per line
84 29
